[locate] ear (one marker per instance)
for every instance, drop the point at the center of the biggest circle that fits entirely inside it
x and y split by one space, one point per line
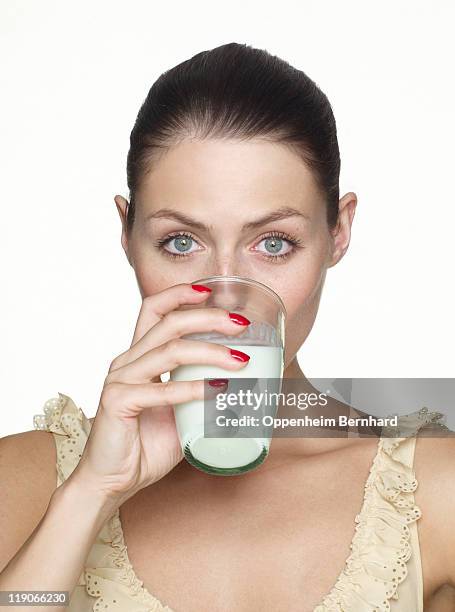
341 234
122 208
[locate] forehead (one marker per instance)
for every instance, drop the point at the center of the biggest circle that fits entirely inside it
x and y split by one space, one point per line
232 172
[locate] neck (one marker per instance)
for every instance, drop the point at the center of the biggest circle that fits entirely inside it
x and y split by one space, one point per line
313 442
293 370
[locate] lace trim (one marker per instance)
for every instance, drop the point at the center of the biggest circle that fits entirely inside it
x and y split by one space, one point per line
380 546
62 417
118 570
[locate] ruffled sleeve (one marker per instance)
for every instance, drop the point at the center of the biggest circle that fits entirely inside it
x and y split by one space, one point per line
381 543
70 427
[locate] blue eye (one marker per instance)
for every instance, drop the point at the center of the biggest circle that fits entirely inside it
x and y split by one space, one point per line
273 243
182 243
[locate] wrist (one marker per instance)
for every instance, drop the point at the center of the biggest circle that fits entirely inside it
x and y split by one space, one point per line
79 493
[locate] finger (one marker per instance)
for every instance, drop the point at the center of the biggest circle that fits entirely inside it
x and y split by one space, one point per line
177 323
125 400
170 355
155 306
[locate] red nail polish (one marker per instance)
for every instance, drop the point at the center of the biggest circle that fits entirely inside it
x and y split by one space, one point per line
239 355
201 288
239 319
218 382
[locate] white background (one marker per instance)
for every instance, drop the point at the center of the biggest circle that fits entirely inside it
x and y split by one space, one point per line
73 76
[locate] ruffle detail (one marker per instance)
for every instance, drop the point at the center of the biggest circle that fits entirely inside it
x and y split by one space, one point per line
380 546
113 581
71 427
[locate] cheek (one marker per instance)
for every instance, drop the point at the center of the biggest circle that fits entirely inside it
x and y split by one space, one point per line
301 293
151 278
153 274
300 283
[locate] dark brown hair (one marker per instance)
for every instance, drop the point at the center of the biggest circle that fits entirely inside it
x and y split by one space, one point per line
237 91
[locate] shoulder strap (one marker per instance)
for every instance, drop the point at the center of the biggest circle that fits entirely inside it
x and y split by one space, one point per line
382 546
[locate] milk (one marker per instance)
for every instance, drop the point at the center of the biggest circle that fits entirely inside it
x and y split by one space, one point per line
224 455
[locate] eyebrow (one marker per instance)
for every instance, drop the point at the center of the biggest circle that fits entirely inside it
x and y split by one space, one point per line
281 213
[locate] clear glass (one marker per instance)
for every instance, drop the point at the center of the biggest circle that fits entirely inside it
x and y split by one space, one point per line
263 340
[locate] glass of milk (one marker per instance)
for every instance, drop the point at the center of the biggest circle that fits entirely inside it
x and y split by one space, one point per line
263 340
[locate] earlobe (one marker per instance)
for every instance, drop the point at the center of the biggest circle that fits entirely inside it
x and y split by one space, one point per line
125 246
334 258
124 241
122 208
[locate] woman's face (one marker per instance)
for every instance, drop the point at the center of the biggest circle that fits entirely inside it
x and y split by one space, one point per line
202 211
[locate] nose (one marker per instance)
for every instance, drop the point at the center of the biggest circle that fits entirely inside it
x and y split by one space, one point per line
227 296
227 265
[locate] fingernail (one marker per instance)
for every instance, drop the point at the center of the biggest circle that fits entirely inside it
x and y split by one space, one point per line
218 382
239 355
239 319
201 288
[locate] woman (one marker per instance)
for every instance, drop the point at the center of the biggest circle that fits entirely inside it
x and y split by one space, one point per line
233 169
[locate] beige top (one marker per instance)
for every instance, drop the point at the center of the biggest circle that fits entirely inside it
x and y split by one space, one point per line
382 573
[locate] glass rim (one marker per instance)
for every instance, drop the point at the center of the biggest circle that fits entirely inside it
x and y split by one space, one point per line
246 281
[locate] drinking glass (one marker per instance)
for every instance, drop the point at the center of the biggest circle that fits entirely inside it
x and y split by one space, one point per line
263 340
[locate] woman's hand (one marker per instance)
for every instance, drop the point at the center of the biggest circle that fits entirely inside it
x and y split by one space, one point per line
133 440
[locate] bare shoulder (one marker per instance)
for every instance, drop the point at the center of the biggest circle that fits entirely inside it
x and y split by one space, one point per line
434 464
28 478
29 454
